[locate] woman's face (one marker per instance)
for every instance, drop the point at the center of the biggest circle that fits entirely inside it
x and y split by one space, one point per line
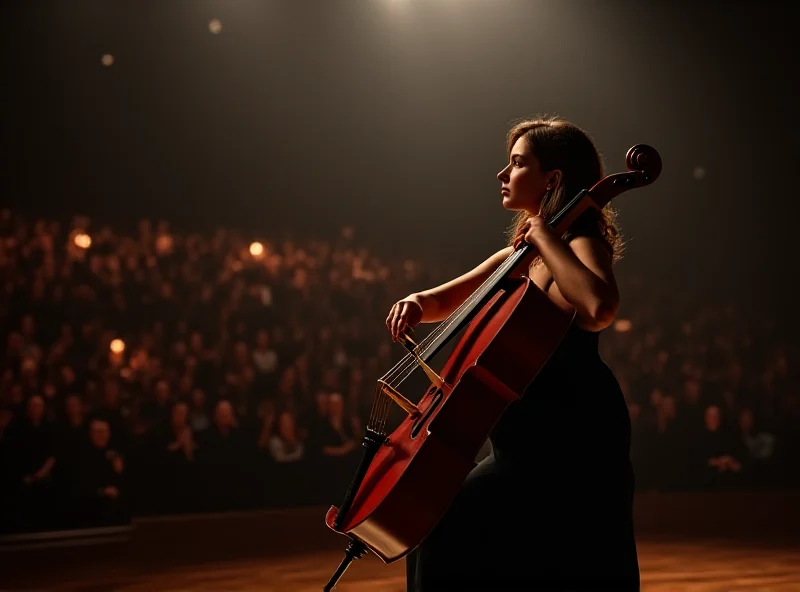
524 182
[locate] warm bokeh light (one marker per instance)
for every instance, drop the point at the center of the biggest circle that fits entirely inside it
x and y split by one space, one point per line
164 244
215 26
622 325
118 346
256 249
107 59
83 240
699 173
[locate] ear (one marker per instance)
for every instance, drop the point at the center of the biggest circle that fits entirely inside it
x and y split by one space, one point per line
554 179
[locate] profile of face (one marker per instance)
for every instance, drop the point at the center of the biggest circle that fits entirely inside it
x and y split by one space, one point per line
524 183
713 418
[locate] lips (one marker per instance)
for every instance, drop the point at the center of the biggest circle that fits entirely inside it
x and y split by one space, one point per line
505 191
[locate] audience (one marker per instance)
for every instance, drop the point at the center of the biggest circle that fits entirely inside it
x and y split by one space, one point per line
163 373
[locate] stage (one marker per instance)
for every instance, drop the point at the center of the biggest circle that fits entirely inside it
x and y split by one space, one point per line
292 551
697 566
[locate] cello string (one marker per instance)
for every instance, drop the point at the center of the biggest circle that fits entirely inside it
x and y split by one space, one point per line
407 365
373 414
408 361
382 403
387 408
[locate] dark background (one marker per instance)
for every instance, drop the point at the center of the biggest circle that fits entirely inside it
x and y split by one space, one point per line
391 115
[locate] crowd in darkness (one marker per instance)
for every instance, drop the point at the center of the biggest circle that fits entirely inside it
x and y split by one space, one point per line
164 372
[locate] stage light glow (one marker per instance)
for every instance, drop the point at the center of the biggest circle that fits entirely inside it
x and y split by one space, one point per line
107 59
256 249
622 325
215 26
82 240
118 346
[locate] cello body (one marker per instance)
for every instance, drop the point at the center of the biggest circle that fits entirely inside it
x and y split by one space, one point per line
422 464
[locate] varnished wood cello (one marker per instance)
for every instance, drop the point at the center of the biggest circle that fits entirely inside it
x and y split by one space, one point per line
406 479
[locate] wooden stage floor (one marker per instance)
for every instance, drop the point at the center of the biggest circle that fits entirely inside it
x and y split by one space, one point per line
696 566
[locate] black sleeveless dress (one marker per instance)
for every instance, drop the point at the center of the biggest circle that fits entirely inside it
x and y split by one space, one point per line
551 507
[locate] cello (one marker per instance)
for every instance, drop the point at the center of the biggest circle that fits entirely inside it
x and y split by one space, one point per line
437 441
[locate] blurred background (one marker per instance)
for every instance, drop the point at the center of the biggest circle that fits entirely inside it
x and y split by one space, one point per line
209 207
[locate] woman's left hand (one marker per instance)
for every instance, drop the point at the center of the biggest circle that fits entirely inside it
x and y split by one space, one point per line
531 231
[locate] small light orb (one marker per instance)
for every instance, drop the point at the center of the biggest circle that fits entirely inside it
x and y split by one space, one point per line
83 240
622 325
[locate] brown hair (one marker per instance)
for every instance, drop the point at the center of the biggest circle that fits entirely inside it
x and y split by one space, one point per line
559 144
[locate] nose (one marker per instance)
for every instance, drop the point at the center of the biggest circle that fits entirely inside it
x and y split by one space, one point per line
502 176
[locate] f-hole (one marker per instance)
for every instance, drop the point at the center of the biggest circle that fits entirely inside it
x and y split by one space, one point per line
421 420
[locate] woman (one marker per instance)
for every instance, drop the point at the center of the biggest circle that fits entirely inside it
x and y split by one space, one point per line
551 507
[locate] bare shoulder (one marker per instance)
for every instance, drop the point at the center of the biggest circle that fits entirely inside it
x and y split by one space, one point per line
595 254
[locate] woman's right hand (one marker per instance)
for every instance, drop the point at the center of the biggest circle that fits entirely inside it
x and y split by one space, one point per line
405 314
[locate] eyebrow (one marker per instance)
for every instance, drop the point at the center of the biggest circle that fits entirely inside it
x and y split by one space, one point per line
517 155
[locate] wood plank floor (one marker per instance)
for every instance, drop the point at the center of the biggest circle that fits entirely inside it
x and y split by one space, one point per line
708 566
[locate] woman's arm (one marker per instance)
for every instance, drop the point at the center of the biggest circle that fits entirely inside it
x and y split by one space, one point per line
439 303
436 304
582 273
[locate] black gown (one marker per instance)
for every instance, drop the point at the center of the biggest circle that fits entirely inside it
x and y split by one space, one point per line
551 507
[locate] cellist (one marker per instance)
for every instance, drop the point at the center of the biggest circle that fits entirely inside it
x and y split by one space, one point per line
551 507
